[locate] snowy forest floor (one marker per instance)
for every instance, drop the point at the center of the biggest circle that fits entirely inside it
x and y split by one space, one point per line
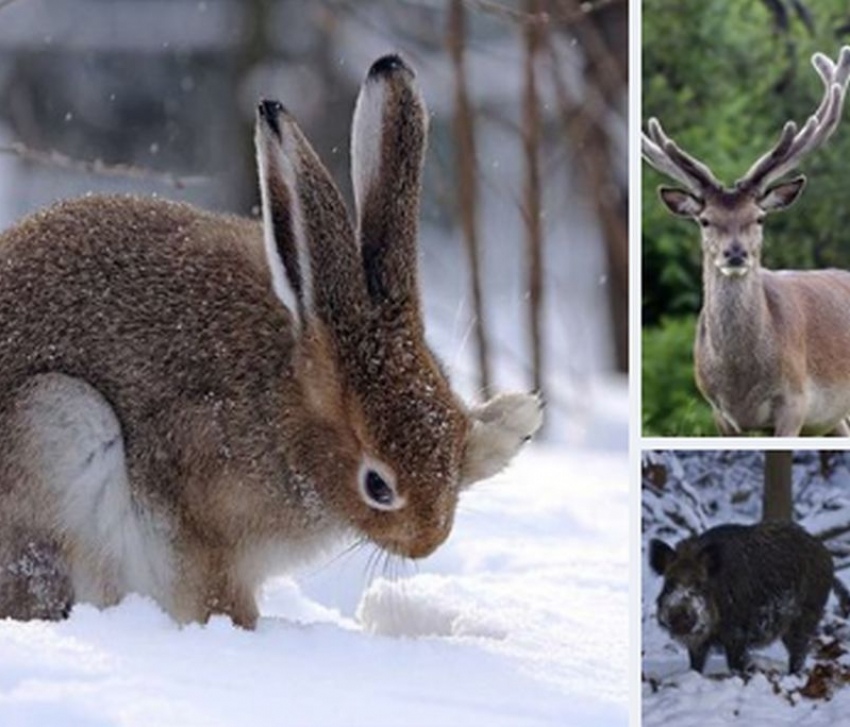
520 620
688 492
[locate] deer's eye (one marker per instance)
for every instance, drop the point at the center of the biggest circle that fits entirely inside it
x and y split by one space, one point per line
703 222
760 220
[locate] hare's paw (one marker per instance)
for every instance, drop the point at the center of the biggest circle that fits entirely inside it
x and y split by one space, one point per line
499 429
518 413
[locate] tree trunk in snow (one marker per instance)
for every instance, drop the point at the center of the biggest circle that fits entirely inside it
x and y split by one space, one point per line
590 143
776 504
468 186
532 204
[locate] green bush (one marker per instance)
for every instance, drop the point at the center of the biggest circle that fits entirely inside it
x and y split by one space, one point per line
672 404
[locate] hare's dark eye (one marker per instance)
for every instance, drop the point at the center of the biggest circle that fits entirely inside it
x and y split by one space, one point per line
378 487
703 222
378 490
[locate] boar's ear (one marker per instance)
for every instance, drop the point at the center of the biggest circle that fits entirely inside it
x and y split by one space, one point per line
660 556
710 557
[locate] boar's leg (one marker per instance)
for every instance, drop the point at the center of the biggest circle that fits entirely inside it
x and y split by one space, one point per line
796 641
736 655
698 655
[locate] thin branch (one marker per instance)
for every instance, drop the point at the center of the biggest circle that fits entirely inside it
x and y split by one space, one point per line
532 129
468 184
596 48
99 168
834 532
584 127
576 15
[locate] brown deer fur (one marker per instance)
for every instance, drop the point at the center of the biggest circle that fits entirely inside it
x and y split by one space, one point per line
772 349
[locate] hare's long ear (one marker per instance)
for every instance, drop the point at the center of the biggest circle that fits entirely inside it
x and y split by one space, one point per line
310 243
387 149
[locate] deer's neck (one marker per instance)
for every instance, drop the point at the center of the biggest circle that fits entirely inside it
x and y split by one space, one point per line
734 310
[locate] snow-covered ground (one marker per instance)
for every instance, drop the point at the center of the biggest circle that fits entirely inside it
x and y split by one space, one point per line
520 619
697 491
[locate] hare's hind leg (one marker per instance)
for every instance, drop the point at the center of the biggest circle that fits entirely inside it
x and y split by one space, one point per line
35 581
65 507
35 574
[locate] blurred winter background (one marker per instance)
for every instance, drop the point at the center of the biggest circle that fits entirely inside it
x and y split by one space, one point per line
520 619
684 493
527 159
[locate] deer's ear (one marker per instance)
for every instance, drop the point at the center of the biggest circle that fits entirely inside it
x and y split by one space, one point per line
680 202
782 195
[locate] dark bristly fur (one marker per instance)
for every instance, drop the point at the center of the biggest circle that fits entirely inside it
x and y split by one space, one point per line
758 583
168 426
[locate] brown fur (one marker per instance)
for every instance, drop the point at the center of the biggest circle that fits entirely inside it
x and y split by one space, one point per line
766 338
243 433
772 350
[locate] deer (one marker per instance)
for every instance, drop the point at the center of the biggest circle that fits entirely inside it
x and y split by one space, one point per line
772 348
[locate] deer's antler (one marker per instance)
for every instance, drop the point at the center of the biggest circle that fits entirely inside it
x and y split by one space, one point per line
661 152
793 145
668 158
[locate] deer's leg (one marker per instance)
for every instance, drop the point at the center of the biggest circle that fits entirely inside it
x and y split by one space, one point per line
842 429
724 426
789 416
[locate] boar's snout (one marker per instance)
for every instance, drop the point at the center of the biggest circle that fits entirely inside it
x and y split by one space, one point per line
682 621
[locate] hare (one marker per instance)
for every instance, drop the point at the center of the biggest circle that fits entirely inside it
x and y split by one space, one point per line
192 402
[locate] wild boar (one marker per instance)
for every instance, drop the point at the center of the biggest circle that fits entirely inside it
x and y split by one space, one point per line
738 587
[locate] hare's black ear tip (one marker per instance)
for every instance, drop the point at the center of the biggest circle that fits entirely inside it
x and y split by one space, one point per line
271 111
387 65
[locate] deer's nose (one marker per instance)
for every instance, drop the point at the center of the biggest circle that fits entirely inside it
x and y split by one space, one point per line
735 254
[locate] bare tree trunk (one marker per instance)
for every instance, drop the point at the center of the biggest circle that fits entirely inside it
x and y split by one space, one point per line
585 130
531 207
776 504
468 185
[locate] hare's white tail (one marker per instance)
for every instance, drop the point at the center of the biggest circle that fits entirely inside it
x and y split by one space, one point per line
76 453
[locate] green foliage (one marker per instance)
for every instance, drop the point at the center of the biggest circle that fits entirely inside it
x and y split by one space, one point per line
672 404
723 78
